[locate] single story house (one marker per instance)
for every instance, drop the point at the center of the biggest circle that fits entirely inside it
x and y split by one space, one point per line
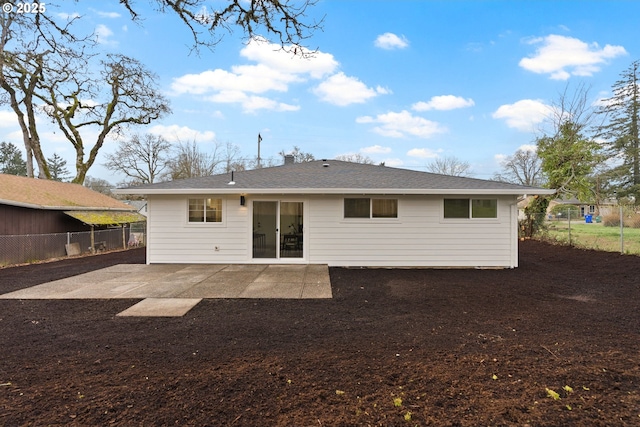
336 213
40 206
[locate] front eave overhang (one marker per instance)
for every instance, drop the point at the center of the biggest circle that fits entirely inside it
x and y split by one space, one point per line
398 191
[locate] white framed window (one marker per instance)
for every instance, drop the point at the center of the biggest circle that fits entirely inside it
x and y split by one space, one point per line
365 207
204 210
470 208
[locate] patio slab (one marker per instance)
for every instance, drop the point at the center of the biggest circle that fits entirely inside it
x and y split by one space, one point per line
188 282
161 307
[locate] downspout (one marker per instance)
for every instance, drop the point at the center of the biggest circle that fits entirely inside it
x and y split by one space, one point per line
93 241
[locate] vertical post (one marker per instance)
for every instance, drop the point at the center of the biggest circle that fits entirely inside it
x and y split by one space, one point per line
124 242
68 238
569 216
93 241
259 140
621 231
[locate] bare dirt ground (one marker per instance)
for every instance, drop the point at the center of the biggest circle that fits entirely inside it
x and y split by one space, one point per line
392 348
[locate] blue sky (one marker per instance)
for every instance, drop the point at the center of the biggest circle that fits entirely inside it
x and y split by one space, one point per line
402 82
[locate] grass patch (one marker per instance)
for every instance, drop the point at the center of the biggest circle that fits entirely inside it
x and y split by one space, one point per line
594 236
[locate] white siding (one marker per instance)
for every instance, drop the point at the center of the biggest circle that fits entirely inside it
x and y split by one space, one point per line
420 236
171 239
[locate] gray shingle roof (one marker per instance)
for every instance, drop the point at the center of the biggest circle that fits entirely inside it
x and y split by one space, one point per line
333 176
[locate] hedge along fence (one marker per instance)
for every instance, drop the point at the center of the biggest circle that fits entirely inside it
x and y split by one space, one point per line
628 220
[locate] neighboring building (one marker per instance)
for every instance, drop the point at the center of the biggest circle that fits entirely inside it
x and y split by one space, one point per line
334 212
605 207
39 206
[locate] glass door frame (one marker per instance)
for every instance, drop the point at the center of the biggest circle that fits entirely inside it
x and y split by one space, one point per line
279 258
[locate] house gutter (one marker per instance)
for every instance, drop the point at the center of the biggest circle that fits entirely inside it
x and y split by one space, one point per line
381 191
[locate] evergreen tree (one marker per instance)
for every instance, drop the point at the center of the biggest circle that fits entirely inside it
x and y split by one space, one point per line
11 161
622 133
58 168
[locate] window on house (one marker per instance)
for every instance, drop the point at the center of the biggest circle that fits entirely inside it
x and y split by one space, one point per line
384 208
205 210
484 208
456 208
370 208
470 208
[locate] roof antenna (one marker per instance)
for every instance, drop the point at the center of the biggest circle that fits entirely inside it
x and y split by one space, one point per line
232 182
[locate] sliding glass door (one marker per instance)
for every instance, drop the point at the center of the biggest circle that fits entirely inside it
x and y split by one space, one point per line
278 229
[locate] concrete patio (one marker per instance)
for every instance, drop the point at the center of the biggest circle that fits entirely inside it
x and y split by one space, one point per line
173 289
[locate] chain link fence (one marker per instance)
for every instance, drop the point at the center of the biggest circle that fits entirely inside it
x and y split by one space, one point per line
617 230
18 249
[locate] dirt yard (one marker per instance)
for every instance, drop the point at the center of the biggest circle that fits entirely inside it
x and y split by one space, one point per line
392 348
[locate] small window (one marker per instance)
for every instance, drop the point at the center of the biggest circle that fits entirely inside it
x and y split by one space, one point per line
370 208
357 208
384 208
456 208
205 210
484 208
470 208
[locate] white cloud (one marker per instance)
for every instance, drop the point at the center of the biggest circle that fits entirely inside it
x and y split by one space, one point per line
500 158
342 90
271 55
402 124
443 103
393 163
250 103
8 119
68 16
103 35
390 41
250 78
562 57
175 133
523 115
275 70
423 153
528 147
111 15
375 149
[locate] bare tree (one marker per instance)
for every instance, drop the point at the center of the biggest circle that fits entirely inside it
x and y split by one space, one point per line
47 46
285 20
231 158
125 93
190 161
141 158
355 158
26 40
449 166
523 167
98 184
299 156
